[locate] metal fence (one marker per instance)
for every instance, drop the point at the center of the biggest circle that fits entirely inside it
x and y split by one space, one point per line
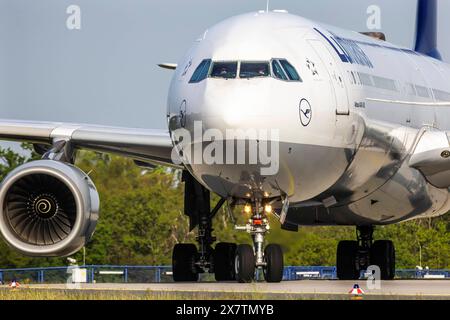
156 274
91 273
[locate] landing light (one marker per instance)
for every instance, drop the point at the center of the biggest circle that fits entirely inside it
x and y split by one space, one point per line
247 208
268 208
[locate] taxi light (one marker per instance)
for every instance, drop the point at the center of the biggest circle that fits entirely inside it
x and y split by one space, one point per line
247 208
268 208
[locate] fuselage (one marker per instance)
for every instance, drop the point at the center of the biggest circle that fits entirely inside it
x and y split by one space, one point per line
342 151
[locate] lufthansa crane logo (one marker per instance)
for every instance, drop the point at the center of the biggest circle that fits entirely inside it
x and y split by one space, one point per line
305 112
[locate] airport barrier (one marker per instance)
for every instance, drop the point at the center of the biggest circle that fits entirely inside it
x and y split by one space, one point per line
149 274
422 273
313 272
89 274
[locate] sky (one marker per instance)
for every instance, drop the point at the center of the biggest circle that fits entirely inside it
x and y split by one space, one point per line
106 72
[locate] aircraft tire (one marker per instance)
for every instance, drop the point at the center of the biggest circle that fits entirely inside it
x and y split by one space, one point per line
273 271
346 255
224 258
184 256
244 263
382 254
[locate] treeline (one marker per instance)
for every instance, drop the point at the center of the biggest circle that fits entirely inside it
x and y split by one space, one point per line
141 219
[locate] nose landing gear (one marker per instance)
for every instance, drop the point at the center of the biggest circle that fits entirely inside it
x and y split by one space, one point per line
270 259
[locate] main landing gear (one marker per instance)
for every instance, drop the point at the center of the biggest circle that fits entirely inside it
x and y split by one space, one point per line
354 256
228 261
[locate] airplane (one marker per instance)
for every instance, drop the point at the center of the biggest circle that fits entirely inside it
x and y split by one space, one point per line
357 129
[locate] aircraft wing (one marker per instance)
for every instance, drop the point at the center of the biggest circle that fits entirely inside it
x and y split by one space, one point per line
431 156
144 145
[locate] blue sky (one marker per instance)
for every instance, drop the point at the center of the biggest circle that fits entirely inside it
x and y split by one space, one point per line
106 72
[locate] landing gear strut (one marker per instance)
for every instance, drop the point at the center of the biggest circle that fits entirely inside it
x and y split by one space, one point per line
354 256
188 261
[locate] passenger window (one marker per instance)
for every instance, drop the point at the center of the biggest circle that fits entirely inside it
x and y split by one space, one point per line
278 71
226 70
254 69
201 72
290 70
422 92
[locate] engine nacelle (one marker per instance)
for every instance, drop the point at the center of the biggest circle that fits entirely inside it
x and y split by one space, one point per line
48 208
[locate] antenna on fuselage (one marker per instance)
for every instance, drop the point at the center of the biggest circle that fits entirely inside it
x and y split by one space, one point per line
267 5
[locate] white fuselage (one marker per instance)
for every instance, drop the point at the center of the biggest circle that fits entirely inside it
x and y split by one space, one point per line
348 163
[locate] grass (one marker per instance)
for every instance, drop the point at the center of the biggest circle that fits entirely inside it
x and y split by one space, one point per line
24 293
60 294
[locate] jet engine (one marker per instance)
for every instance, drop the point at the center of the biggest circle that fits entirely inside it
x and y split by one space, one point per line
48 208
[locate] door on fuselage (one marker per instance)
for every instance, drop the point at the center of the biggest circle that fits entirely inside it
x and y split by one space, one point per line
335 73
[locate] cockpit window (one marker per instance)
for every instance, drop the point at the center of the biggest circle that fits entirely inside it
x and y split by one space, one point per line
226 70
290 70
201 72
254 69
278 70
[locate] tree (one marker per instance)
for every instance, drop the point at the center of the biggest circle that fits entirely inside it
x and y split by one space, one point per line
10 159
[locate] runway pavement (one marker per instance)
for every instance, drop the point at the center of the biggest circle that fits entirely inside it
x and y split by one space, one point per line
316 289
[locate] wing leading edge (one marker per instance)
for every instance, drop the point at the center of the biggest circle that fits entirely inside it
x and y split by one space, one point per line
147 145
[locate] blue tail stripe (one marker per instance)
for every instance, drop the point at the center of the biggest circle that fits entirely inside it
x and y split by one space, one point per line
426 32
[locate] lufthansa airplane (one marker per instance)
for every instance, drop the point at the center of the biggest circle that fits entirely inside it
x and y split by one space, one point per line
357 129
